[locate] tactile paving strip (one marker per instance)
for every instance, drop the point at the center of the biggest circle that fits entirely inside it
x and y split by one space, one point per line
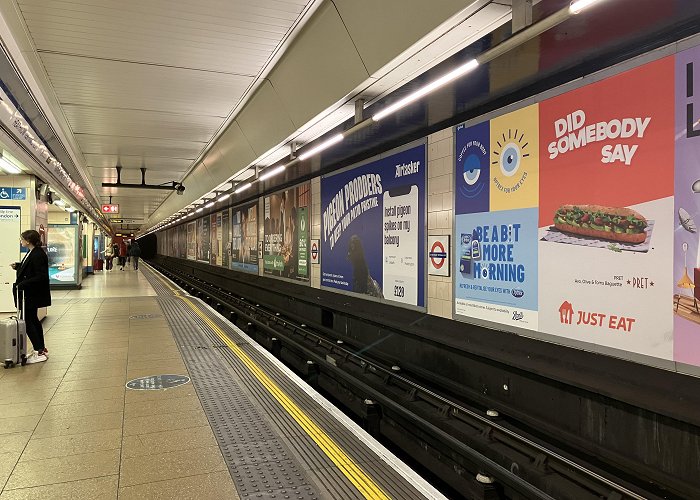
261 466
158 286
248 442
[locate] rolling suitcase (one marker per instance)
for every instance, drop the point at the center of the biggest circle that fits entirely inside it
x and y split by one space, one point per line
13 339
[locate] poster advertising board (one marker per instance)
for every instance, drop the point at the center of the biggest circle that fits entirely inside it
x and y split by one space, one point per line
172 242
585 253
286 233
686 251
226 238
244 238
373 228
62 251
214 239
496 200
10 224
606 205
182 241
203 243
192 240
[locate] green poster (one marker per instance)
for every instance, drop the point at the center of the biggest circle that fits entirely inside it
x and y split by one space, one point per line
303 225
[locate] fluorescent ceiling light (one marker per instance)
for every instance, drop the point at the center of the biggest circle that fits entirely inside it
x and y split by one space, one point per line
60 203
8 166
270 172
209 205
578 5
436 84
225 197
324 145
242 188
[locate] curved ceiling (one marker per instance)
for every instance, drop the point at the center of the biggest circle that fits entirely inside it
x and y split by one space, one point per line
197 92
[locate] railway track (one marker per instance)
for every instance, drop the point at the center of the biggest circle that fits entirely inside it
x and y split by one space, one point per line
476 452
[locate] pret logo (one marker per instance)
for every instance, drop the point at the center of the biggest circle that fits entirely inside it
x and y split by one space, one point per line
567 316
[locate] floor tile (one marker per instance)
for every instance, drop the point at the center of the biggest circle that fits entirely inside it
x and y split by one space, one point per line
63 426
168 441
10 425
101 488
94 383
92 374
169 421
59 446
175 392
163 406
215 486
84 408
23 409
173 465
64 469
88 395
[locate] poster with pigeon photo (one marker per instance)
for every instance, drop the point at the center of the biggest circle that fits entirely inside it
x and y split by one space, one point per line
373 228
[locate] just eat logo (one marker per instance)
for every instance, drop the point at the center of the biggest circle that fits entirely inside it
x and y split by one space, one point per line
567 315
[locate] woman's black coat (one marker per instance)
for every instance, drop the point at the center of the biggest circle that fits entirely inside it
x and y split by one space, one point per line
33 278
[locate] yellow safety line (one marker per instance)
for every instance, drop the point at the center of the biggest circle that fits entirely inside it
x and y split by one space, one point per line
366 486
165 282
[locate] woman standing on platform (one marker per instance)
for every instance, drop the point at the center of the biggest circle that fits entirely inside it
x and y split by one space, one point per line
32 286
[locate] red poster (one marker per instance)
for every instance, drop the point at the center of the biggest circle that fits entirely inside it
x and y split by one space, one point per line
606 212
609 143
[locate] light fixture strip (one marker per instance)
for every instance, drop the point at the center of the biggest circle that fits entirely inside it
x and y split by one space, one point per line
270 172
243 187
427 89
324 145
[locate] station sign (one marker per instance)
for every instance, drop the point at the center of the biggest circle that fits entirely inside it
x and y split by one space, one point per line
315 251
12 193
110 209
439 255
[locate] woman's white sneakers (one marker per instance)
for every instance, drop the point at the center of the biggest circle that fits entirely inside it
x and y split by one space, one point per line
35 357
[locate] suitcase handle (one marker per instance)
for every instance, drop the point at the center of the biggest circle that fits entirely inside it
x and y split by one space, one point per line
20 314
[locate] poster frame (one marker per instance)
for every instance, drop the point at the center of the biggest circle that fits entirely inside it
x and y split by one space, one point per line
404 147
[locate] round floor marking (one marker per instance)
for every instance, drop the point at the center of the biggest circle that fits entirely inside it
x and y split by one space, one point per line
157 382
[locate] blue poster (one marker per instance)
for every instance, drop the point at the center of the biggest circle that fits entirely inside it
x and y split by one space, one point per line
373 228
496 266
472 169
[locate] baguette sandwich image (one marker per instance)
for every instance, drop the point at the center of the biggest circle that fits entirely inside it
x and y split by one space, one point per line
606 223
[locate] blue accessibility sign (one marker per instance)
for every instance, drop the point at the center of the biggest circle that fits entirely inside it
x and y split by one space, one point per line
12 193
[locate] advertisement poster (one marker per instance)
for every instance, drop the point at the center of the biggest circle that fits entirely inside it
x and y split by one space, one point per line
686 252
62 251
182 241
606 211
172 242
286 233
373 228
244 238
214 240
226 238
203 243
496 212
192 240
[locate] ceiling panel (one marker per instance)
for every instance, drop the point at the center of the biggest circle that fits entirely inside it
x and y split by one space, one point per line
126 161
80 80
136 123
138 146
